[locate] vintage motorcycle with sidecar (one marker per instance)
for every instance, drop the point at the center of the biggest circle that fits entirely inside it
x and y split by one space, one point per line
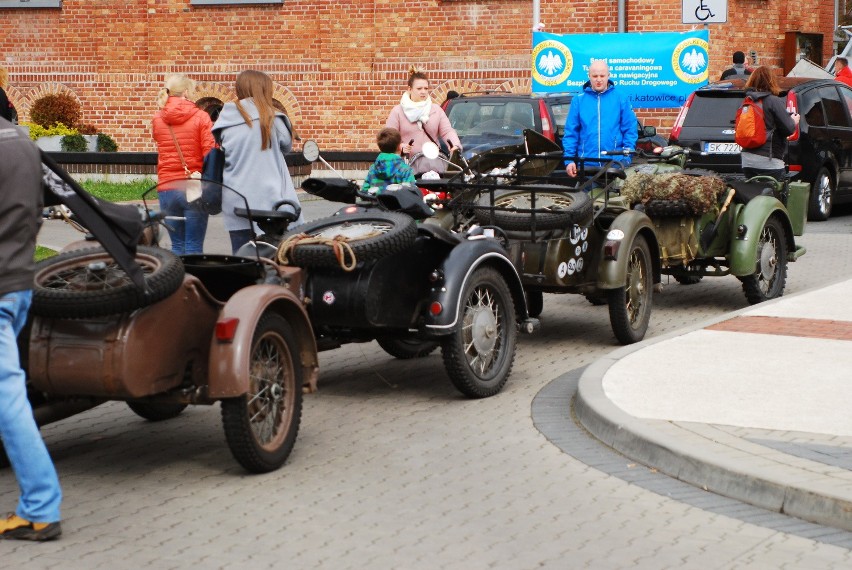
716 225
202 329
561 239
374 271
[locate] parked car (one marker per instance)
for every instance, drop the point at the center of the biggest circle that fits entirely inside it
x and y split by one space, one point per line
492 120
819 154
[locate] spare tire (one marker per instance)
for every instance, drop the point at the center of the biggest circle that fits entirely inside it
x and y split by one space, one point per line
87 283
371 235
555 209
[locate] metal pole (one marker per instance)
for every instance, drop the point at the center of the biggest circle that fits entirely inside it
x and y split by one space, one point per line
536 13
622 18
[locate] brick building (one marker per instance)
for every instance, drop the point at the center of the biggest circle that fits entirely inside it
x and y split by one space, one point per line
338 65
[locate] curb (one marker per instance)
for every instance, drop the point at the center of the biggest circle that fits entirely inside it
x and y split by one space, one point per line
764 481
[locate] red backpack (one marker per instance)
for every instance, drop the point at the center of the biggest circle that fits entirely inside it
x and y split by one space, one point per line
750 129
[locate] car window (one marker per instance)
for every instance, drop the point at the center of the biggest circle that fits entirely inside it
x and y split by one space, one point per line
718 110
810 108
846 93
477 117
835 109
560 115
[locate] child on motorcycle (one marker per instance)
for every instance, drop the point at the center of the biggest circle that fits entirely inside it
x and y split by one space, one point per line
389 167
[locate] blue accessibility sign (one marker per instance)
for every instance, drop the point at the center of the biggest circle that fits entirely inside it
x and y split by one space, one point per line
654 69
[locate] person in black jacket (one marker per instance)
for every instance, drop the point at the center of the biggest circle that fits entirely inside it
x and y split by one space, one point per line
21 198
739 69
769 159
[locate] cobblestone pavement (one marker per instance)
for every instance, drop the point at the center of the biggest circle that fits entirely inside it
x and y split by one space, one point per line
394 469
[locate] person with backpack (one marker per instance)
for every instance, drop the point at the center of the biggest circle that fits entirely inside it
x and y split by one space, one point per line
769 124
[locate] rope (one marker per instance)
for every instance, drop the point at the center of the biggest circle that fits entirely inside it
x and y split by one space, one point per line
339 245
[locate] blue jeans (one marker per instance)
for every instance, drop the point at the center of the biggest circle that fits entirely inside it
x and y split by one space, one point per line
186 224
239 238
40 492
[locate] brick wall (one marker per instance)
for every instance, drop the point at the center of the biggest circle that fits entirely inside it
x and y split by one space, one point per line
339 65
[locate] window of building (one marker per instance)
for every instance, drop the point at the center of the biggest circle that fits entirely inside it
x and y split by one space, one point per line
211 2
30 4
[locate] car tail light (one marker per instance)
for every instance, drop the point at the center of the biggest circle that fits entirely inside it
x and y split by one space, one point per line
793 107
546 126
226 329
436 308
681 117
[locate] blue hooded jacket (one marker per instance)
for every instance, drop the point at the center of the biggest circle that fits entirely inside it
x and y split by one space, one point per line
599 121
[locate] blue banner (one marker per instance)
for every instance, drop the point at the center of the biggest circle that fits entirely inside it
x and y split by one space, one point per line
654 69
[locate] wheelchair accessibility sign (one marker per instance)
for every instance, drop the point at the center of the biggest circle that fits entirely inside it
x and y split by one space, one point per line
705 11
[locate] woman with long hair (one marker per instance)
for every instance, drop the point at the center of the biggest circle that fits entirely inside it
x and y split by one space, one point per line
419 120
183 135
254 136
768 159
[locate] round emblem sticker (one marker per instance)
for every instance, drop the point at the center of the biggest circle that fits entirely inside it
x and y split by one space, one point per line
585 233
575 235
562 270
328 298
585 246
578 250
572 266
579 265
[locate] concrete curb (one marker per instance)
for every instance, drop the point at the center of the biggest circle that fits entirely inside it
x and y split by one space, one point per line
766 481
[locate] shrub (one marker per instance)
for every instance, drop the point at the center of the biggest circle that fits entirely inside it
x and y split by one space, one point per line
58 108
87 129
74 143
106 144
38 131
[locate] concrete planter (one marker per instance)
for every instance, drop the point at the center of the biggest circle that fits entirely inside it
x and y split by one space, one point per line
54 143
50 144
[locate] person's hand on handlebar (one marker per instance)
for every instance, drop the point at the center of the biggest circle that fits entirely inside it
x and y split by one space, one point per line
571 169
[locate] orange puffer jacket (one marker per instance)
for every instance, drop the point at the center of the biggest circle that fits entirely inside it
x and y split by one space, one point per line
194 132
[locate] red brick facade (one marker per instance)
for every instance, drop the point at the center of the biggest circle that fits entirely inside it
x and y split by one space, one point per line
338 65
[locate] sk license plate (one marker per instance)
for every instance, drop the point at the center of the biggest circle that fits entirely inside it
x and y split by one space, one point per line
722 147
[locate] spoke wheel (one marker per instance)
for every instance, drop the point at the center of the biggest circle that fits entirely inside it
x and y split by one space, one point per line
822 196
88 283
261 426
406 348
535 303
479 354
370 235
554 209
156 412
630 306
770 274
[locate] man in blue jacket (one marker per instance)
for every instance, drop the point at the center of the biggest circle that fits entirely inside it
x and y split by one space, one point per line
600 119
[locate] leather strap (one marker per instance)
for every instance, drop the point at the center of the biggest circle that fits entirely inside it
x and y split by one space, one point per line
180 153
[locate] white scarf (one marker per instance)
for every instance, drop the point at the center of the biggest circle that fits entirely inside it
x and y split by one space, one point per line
416 112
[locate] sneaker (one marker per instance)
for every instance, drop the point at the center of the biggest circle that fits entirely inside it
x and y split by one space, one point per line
14 527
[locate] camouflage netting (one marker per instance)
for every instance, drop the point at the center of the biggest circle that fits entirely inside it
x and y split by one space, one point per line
699 193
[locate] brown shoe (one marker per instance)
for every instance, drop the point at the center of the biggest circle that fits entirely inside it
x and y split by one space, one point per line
14 527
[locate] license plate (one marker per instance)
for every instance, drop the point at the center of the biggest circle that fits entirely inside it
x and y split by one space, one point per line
722 147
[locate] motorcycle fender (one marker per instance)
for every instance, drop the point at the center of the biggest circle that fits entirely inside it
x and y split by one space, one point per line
229 365
612 273
457 268
743 253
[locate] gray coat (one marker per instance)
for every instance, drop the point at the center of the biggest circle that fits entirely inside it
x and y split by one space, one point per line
260 175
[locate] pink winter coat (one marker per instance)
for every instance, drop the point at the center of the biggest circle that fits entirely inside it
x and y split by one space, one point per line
194 132
438 126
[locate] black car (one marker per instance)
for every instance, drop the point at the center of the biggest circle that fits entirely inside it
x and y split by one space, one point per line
820 153
491 120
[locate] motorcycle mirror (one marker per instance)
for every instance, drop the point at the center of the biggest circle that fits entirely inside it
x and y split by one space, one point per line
430 150
310 150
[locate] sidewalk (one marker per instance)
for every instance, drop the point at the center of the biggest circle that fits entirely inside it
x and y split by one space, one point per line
754 406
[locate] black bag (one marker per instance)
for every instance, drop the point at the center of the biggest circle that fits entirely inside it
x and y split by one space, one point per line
211 176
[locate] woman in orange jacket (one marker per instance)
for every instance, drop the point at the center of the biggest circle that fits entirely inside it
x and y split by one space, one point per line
184 135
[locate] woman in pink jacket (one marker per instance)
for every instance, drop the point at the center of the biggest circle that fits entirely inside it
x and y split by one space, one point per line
420 120
180 121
